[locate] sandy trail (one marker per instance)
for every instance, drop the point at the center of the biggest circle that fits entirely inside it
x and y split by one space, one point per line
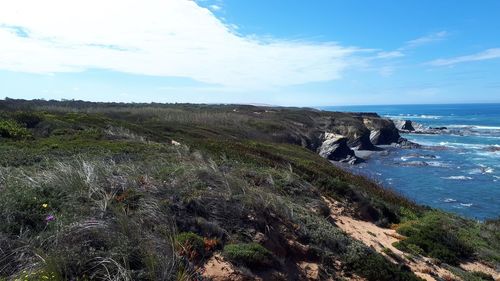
381 240
218 269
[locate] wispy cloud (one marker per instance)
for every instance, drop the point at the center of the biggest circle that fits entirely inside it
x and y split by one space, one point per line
427 39
171 38
215 7
484 55
389 55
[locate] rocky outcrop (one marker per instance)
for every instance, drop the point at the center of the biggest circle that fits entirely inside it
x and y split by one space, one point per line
408 126
382 131
335 148
405 143
362 143
336 135
351 126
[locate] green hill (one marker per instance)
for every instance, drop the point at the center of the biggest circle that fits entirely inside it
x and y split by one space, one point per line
102 191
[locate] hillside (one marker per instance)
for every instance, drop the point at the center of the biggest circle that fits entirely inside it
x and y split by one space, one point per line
95 191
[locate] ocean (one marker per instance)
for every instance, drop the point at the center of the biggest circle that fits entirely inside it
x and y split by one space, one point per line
457 171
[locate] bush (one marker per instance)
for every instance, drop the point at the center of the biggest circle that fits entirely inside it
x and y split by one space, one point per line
28 119
251 255
25 208
431 236
12 130
375 267
190 245
483 276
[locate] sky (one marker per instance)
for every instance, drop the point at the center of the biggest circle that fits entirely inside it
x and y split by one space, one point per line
278 52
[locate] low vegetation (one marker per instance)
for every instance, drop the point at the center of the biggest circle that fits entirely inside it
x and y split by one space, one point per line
249 254
450 239
151 192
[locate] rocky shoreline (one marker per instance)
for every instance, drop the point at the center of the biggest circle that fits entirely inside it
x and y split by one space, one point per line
347 143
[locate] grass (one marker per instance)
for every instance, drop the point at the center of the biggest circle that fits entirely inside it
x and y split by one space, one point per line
251 255
449 238
127 204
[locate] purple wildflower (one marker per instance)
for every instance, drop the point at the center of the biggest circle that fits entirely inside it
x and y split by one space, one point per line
50 218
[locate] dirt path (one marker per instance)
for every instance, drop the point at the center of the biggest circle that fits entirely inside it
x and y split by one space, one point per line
217 269
381 240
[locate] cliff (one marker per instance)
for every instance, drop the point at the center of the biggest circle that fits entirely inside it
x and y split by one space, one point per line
93 191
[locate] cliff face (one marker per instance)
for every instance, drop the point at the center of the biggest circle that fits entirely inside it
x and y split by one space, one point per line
352 131
382 131
314 129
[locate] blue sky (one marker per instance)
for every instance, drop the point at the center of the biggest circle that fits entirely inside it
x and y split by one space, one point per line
305 53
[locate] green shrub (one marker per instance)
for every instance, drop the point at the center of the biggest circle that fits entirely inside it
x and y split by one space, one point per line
28 119
431 236
23 208
251 255
483 276
409 248
12 130
373 266
190 245
407 214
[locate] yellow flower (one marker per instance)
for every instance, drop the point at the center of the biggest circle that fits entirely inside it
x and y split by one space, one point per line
45 205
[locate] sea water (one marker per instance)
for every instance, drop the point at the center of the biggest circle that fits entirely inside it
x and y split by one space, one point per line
457 171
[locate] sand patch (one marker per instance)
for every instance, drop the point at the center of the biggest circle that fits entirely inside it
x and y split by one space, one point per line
381 240
478 266
310 270
217 269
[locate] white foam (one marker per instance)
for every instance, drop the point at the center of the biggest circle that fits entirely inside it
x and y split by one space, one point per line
449 200
483 170
487 127
412 116
463 145
457 178
466 204
447 144
477 127
437 164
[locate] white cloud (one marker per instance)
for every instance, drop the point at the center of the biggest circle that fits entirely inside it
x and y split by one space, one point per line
390 55
215 8
174 38
484 55
424 40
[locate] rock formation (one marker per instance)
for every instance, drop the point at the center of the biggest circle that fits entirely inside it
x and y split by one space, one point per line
335 148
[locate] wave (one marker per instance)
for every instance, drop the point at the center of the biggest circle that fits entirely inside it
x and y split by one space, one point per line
487 127
476 127
449 200
419 156
457 178
463 145
486 169
466 204
414 116
483 169
438 164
